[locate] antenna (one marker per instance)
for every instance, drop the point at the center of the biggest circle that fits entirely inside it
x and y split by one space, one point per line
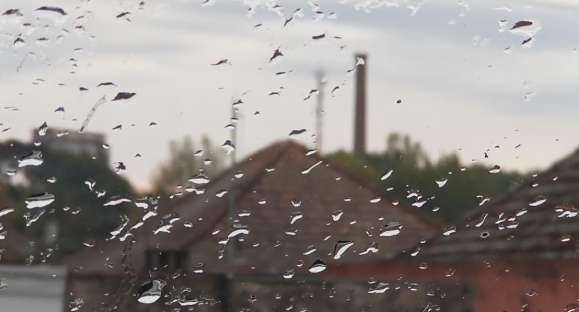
320 109
234 122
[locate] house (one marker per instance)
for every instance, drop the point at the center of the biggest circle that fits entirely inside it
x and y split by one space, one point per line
75 143
516 253
255 238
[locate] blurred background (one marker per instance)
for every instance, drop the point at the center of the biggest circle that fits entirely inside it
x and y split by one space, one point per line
148 145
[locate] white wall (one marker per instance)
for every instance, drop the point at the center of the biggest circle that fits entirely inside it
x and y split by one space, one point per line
32 288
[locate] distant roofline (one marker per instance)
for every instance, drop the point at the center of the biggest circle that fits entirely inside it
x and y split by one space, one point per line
289 143
491 207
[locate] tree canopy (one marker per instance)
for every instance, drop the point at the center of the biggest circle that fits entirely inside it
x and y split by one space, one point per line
80 185
185 160
445 188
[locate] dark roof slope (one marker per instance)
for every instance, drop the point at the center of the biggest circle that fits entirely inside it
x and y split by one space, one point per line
278 184
537 220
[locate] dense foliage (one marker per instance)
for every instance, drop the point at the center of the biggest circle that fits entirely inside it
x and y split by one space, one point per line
414 177
81 186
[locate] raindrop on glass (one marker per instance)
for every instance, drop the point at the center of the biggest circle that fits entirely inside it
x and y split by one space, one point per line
317 267
150 291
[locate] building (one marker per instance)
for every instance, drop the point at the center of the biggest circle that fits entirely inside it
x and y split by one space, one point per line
75 143
33 288
516 253
251 239
26 288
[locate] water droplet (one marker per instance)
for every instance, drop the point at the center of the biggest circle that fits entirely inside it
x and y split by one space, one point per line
123 96
482 221
373 248
306 171
450 273
495 169
297 132
391 229
15 12
341 247
228 146
199 179
503 25
89 243
237 232
451 229
484 201
419 204
10 172
441 183
277 53
531 292
378 288
33 159
6 211
117 201
571 308
565 238
18 43
526 28
33 216
566 211
43 129
296 217
415 252
375 200
317 267
336 215
52 9
39 200
119 167
220 62
387 175
521 212
75 304
289 274
318 37
310 250
296 203
538 201
150 291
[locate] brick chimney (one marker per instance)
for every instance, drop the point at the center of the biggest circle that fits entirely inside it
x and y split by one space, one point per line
360 105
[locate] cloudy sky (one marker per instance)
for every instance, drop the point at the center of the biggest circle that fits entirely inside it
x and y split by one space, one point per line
465 81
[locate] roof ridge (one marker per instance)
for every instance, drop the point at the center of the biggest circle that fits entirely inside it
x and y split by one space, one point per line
478 211
283 146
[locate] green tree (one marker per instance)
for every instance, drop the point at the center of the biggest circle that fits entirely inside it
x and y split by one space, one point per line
185 161
414 174
78 212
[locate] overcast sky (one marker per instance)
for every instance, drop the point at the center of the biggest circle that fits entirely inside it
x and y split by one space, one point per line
464 80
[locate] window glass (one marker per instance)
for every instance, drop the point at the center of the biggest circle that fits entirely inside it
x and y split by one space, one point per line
297 155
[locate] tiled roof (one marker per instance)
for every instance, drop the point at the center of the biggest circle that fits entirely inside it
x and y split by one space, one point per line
275 188
536 220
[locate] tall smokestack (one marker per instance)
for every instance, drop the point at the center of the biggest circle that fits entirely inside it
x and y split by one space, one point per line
360 105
